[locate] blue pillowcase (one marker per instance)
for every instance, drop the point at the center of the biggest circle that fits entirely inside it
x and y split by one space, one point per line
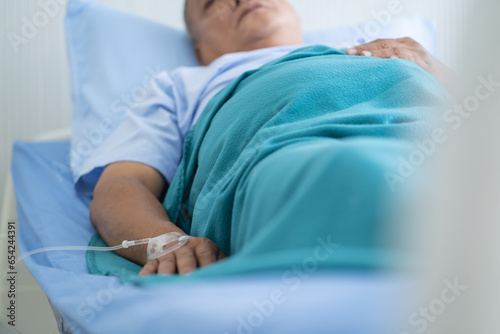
113 55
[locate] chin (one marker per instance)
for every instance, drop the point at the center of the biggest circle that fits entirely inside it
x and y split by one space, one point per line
262 26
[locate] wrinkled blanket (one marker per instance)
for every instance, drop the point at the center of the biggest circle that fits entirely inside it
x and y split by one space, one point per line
286 169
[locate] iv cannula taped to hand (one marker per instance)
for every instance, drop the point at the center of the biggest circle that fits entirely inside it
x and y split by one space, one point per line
157 247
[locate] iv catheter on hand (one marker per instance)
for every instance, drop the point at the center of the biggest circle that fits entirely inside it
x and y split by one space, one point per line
157 247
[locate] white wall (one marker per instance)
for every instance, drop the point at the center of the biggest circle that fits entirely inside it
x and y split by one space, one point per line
34 82
463 224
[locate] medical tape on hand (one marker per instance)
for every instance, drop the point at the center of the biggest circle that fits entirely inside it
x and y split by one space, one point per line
165 244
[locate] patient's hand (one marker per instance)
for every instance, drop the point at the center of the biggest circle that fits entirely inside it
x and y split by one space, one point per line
198 252
409 49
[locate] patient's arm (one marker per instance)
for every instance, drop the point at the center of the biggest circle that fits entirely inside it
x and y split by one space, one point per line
408 49
126 206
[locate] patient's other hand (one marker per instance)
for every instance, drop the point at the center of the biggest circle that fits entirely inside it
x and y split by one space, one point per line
409 49
198 252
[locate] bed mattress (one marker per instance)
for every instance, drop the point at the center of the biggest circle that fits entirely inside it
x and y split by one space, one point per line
50 213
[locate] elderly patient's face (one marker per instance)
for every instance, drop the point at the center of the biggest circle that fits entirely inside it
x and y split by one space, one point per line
224 26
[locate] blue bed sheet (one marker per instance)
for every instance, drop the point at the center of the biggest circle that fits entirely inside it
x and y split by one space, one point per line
50 213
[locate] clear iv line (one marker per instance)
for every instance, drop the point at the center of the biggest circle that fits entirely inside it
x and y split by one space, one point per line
125 244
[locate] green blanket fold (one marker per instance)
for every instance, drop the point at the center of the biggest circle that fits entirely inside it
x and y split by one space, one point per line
285 169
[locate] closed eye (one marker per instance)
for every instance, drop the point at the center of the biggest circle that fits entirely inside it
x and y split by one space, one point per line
209 3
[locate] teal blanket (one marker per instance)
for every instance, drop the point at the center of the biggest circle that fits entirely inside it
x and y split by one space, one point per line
286 168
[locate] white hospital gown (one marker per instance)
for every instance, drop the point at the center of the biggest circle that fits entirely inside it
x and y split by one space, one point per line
154 130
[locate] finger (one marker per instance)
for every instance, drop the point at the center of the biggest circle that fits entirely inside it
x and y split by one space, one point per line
380 44
397 52
390 53
150 268
167 264
186 260
372 46
406 55
206 254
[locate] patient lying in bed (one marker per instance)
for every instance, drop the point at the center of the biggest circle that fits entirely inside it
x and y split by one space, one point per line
280 160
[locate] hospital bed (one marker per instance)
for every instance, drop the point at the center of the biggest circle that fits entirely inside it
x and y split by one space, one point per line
50 213
324 302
